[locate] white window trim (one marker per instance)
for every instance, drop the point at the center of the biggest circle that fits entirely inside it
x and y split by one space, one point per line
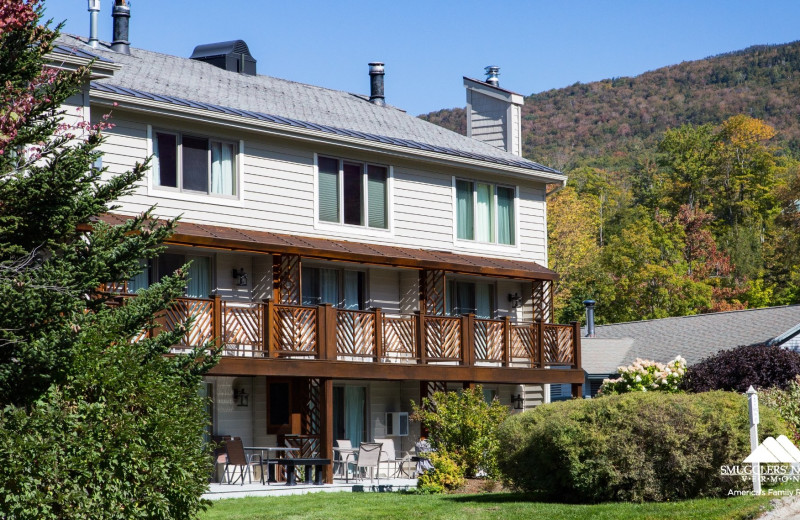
356 230
194 196
475 245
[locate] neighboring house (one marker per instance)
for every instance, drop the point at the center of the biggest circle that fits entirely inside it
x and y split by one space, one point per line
347 256
692 337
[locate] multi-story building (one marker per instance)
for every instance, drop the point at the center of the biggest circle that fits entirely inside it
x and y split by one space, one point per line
348 257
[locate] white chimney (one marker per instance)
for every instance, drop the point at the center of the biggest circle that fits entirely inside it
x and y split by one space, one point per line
494 115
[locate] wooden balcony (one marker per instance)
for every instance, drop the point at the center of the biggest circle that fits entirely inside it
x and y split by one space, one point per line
269 339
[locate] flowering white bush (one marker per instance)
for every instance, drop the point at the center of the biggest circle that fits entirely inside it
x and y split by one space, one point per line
644 375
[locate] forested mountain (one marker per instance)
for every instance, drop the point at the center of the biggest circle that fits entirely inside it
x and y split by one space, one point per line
611 122
684 186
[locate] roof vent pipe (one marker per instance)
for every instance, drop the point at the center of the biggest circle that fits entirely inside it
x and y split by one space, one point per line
94 11
376 73
589 317
122 16
492 75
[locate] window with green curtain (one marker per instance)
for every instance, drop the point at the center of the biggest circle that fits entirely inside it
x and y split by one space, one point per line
328 185
483 300
505 216
484 214
465 221
376 196
354 401
141 280
199 277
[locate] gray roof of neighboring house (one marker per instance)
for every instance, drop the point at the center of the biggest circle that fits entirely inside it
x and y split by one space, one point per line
179 80
604 356
693 337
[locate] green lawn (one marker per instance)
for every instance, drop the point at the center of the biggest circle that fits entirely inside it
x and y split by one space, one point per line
511 506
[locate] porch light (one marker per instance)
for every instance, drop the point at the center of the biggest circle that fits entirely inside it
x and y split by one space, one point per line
515 299
240 397
516 400
242 276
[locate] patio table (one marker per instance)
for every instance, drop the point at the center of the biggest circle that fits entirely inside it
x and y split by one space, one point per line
270 460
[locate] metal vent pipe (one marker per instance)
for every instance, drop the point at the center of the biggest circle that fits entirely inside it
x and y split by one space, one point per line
376 73
589 317
122 16
94 11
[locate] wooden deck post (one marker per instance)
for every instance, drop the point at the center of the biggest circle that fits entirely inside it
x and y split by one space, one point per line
422 348
269 328
507 341
468 339
378 335
326 426
576 344
539 343
326 331
216 320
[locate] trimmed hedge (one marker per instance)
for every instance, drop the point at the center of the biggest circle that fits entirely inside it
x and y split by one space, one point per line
759 365
630 447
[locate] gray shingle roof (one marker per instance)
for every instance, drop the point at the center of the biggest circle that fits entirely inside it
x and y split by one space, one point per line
694 337
172 77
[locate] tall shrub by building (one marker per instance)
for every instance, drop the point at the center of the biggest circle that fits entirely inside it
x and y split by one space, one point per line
636 446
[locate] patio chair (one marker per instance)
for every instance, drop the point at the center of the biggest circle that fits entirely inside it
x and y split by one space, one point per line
369 457
237 458
392 458
343 459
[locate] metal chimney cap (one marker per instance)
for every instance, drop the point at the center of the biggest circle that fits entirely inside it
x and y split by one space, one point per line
492 75
122 5
376 67
589 303
94 5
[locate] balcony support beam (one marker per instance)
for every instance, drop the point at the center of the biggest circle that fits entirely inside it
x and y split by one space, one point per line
249 366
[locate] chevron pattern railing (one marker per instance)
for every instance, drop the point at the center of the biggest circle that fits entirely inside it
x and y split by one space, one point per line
355 333
242 327
443 338
399 338
295 330
202 329
489 341
558 344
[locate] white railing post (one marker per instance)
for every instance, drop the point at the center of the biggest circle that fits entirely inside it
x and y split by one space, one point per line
752 405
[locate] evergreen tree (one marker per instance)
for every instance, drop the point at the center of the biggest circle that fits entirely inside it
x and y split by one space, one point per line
96 421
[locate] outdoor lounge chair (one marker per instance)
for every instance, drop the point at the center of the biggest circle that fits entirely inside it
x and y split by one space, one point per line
369 457
343 458
237 458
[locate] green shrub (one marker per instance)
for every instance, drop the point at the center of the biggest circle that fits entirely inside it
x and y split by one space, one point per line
786 403
630 447
463 425
446 475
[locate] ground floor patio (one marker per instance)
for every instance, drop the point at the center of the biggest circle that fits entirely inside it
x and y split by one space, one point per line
256 489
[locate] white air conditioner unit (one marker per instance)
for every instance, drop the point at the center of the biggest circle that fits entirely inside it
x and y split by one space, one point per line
397 423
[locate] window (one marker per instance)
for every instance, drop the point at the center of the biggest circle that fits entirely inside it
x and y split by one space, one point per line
198 283
196 164
476 298
352 193
341 288
485 212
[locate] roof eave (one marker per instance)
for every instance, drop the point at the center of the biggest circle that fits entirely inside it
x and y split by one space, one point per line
99 69
310 135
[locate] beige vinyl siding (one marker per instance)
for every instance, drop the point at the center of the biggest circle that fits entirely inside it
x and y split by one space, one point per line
384 290
488 118
278 191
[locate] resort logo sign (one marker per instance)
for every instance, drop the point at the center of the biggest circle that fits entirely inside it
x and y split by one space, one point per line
773 461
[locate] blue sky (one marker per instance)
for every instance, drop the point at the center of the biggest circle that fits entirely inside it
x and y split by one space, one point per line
429 45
